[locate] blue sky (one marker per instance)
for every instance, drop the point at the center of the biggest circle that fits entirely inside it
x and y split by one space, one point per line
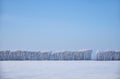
59 24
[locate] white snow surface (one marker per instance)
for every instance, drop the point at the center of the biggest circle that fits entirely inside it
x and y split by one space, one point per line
59 69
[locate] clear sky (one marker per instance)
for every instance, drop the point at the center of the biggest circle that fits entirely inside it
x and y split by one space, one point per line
59 24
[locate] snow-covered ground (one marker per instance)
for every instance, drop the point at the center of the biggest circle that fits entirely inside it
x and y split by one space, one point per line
59 69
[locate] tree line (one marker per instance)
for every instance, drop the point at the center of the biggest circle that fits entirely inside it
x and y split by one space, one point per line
29 55
65 55
108 55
